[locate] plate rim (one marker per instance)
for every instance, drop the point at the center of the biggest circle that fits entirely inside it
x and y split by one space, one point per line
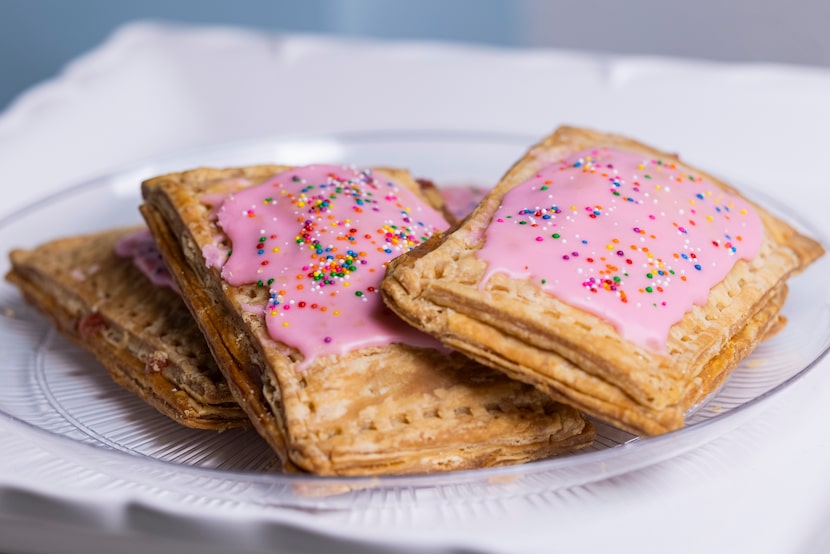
521 140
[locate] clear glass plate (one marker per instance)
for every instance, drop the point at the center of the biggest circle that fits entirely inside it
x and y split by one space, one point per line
60 394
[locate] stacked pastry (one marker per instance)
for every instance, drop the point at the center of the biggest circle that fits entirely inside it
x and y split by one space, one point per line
360 334
281 267
609 275
93 289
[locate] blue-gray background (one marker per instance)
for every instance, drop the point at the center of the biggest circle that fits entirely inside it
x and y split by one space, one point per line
37 37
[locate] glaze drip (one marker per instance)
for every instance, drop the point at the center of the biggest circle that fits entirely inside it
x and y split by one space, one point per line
141 247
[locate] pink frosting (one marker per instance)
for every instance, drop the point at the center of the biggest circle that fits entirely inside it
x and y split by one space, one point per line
319 237
460 200
141 247
634 240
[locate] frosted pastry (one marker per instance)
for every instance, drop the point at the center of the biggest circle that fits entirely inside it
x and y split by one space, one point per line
609 275
457 200
460 199
281 267
130 320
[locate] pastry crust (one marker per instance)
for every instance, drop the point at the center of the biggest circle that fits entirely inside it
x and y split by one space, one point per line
573 355
389 409
140 332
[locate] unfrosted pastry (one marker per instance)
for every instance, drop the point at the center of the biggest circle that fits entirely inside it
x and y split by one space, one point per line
130 320
281 267
609 275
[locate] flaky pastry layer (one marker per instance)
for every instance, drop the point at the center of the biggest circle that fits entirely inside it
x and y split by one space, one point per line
141 333
577 357
378 410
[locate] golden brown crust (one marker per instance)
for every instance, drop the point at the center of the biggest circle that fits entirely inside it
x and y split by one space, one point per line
141 333
577 357
380 410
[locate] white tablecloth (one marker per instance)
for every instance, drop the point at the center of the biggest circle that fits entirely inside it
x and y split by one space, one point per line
154 89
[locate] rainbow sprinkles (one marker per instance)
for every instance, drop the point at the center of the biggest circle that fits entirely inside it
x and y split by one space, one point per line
319 238
635 240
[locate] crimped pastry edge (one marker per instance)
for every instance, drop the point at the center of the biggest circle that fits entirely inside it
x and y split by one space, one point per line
164 214
437 285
